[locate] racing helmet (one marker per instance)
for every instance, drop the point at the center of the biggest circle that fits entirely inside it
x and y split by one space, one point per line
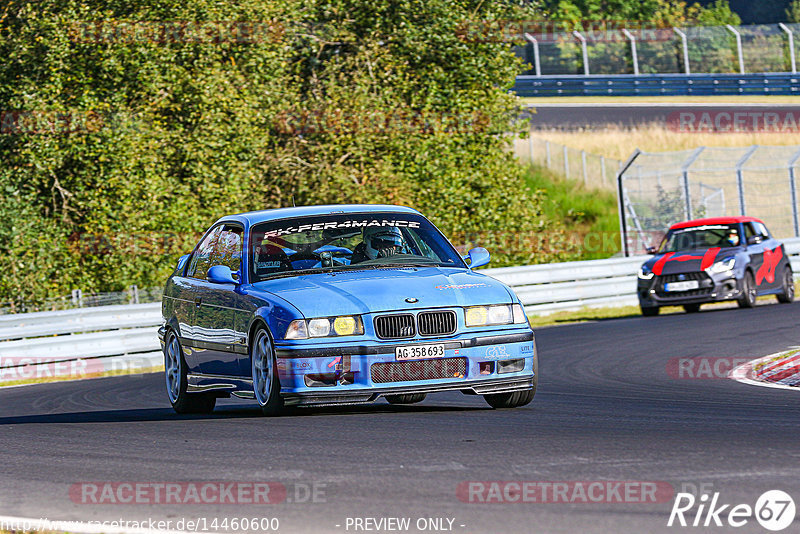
381 242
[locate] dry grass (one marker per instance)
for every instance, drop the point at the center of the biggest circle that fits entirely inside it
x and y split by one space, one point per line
619 143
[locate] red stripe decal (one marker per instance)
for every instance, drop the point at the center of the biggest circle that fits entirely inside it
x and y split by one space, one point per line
708 259
659 266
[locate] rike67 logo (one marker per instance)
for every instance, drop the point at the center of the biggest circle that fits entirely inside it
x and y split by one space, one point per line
774 510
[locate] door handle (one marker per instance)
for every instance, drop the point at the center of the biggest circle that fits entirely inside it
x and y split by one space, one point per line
198 301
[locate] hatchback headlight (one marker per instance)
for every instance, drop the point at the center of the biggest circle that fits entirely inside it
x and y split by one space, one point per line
722 266
346 325
645 275
494 315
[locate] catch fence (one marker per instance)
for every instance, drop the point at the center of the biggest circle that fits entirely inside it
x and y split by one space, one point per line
659 189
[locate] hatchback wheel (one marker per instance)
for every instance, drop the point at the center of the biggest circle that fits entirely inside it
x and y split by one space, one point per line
787 294
748 298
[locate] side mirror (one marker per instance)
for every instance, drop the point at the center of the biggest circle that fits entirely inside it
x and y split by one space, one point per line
478 257
754 240
651 250
182 262
220 274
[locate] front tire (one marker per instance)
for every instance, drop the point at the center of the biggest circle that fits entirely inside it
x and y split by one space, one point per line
650 311
748 298
406 398
787 294
266 385
175 371
510 400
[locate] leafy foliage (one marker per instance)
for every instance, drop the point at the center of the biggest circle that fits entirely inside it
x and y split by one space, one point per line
123 145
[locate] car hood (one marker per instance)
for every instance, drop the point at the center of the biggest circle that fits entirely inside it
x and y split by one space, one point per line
380 290
688 261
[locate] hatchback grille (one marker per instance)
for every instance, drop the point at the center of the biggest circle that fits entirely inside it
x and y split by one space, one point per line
395 326
436 323
706 285
418 370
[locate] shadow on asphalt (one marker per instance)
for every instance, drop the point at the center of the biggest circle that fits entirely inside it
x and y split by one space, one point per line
224 412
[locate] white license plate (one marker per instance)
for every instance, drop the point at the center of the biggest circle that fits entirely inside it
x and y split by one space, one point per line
419 352
682 286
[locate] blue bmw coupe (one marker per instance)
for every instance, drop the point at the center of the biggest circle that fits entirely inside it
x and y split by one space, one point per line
339 305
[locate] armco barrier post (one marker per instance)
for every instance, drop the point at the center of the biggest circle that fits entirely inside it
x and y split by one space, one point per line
738 36
792 57
740 178
621 202
547 153
585 172
584 51
536 63
685 45
634 54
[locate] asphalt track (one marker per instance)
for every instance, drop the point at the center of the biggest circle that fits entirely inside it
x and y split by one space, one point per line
607 409
631 114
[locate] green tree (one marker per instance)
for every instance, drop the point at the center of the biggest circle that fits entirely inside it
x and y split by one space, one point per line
125 145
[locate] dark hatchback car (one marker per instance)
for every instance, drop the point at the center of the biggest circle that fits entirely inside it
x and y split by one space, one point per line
712 260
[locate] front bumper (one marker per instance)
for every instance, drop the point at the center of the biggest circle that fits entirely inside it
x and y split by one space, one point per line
715 287
485 363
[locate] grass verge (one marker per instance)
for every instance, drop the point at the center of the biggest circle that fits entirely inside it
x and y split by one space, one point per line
585 212
619 143
118 372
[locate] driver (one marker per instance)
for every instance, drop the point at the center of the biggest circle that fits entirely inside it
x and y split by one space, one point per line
733 237
379 242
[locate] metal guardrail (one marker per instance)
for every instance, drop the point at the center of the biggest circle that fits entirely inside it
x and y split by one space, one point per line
599 283
112 337
658 85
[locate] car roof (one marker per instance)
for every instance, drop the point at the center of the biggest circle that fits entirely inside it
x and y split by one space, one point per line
255 217
714 220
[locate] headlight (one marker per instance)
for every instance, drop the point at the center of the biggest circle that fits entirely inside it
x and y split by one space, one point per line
645 275
722 266
347 325
492 315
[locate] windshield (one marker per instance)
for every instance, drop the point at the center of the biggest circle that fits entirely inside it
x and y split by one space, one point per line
723 235
347 241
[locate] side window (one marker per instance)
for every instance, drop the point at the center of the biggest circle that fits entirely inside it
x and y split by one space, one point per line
761 230
748 232
228 248
199 263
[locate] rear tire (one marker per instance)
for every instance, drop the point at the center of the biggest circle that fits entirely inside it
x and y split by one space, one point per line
691 308
748 298
651 311
510 400
266 385
175 371
787 295
406 398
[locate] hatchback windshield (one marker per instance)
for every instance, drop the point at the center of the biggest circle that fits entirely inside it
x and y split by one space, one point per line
723 235
347 241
